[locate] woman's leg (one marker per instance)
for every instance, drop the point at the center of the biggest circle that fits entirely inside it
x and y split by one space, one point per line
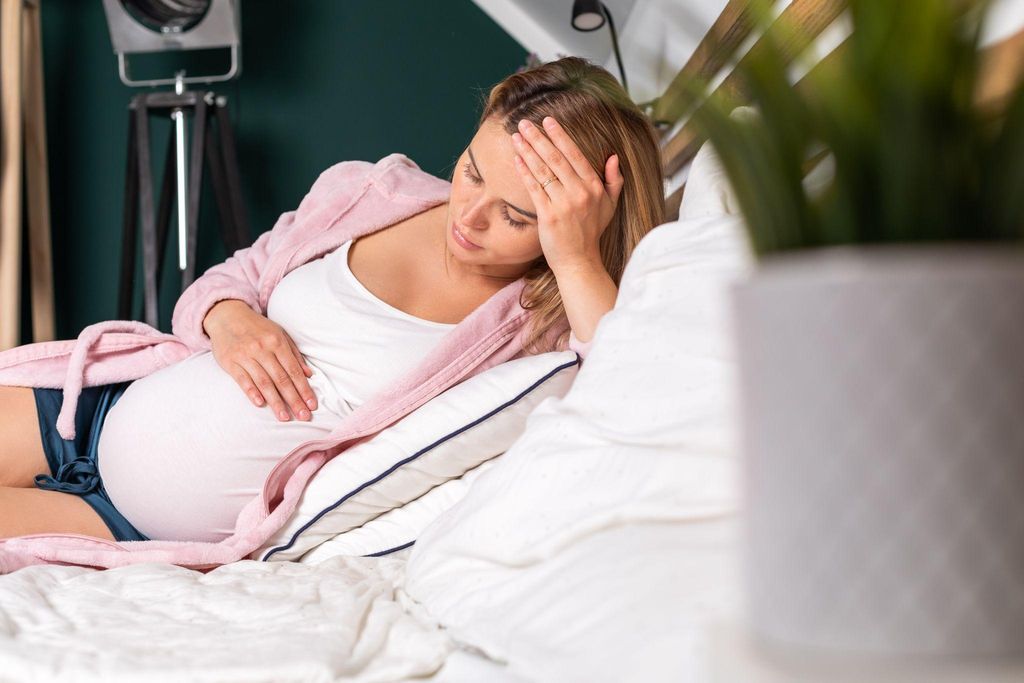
35 511
21 446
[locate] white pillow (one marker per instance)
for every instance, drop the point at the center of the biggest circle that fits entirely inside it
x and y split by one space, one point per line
525 568
449 435
708 192
399 528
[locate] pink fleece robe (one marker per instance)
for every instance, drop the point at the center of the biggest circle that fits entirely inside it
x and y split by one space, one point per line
348 200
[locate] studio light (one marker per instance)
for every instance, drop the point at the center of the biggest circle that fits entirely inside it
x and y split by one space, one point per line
138 26
155 26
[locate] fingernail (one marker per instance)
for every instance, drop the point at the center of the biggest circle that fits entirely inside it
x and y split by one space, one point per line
549 122
304 414
311 403
284 416
517 138
523 124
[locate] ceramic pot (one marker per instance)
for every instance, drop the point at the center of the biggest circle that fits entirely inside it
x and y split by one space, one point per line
882 430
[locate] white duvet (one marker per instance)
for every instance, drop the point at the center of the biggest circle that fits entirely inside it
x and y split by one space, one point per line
248 621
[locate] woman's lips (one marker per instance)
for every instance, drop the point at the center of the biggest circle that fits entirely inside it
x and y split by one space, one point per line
463 242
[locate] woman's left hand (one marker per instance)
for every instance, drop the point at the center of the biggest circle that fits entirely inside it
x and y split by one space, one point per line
576 206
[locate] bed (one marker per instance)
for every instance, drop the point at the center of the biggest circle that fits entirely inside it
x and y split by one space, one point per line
600 545
485 593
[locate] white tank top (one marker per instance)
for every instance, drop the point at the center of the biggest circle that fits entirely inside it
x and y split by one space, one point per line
184 449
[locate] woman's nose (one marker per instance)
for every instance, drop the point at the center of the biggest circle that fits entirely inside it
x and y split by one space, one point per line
474 215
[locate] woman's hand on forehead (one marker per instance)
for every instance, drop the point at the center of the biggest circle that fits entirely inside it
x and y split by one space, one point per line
574 205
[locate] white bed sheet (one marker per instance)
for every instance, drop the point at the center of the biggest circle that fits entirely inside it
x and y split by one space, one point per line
339 620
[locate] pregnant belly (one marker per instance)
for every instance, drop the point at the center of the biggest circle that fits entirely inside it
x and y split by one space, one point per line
184 449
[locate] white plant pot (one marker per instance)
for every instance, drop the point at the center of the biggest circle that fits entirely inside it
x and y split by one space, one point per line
882 429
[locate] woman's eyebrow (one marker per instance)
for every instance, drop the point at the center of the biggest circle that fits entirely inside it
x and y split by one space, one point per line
481 175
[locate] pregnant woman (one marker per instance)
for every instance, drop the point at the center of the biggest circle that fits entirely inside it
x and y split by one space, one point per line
557 186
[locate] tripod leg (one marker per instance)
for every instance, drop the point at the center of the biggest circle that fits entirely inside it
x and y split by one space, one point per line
227 137
163 214
131 196
220 191
195 185
149 255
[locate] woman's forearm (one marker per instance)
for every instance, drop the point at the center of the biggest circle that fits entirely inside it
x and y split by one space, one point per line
588 292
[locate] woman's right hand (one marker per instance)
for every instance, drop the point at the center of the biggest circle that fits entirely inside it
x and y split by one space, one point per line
261 358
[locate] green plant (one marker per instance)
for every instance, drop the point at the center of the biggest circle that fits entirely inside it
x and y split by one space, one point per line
915 159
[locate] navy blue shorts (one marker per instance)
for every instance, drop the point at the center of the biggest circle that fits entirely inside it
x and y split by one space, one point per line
73 466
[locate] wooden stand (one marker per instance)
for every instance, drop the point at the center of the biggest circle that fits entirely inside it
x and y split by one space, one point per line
23 142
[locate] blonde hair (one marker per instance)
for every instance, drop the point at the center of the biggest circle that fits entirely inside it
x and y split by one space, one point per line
602 120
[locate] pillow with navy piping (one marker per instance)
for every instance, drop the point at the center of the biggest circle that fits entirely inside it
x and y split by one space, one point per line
399 528
453 433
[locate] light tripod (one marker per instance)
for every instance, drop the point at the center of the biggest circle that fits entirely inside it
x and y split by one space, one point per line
212 139
152 26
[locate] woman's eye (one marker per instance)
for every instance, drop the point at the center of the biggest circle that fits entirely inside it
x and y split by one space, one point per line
472 178
511 221
504 211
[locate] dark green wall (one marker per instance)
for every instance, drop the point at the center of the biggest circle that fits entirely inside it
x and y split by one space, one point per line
324 81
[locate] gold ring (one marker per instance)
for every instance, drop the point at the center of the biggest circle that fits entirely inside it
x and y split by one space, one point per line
547 182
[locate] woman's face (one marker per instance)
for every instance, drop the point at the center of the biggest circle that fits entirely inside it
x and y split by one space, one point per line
492 223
